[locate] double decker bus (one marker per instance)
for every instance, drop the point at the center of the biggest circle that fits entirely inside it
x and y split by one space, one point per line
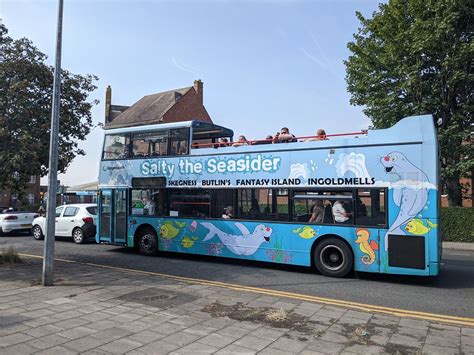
366 201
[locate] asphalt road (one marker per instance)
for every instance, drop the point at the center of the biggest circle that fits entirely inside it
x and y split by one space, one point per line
450 293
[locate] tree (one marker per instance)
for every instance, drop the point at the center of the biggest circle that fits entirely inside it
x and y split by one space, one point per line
26 85
414 57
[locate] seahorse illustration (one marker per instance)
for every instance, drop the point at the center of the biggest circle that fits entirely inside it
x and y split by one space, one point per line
365 246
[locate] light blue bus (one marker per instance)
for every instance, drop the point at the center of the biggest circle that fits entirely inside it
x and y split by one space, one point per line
367 201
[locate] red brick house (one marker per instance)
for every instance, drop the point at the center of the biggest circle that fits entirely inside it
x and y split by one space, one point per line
170 106
31 194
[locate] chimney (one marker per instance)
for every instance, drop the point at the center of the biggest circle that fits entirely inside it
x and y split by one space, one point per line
108 103
198 87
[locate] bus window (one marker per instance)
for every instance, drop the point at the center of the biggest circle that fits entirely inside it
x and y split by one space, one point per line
223 203
262 204
309 207
323 207
190 203
370 207
146 144
140 145
179 141
147 202
116 146
159 143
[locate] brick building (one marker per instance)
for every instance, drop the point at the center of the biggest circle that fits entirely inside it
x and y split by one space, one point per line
170 106
31 195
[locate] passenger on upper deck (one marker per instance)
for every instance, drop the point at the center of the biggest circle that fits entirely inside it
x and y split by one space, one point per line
223 142
284 136
242 141
320 136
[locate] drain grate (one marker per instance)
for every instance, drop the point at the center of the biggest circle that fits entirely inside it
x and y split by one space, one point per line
156 297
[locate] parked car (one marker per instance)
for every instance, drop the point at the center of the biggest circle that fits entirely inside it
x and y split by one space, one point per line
77 221
11 220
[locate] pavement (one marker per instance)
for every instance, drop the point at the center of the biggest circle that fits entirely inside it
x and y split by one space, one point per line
458 246
96 309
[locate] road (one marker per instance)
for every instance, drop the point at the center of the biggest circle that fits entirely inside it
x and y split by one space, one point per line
450 293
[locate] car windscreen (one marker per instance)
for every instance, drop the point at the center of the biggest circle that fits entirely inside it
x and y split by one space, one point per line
92 210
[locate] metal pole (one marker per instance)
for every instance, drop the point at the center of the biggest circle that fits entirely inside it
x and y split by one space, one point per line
53 160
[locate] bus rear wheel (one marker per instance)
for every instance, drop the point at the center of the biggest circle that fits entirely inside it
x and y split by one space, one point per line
333 257
147 242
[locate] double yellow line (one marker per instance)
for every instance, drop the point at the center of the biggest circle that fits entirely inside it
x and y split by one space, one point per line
433 317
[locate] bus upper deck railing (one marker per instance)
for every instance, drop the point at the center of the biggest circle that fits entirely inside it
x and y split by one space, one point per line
270 141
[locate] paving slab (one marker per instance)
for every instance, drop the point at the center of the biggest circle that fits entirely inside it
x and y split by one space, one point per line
103 311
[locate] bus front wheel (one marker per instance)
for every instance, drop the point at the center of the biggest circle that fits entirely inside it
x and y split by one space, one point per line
147 242
333 257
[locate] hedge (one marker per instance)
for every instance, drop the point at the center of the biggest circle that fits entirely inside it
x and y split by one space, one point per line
457 224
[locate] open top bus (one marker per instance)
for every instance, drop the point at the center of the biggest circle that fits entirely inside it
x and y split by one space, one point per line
367 201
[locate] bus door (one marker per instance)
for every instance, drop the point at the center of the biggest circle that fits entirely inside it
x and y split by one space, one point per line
113 216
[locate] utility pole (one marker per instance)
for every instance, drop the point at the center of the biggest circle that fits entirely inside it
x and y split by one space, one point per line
48 259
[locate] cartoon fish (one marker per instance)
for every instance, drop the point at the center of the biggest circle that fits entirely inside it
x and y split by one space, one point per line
416 226
193 226
168 231
306 232
188 242
245 244
365 246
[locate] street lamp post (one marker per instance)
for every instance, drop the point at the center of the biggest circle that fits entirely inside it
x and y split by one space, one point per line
53 160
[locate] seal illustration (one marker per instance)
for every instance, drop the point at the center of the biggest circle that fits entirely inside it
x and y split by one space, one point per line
245 244
410 198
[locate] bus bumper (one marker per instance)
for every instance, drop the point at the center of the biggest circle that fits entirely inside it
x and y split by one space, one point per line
434 268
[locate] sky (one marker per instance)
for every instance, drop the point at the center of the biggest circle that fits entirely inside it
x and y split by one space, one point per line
265 64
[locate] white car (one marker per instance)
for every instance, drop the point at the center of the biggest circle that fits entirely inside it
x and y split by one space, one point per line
16 221
77 221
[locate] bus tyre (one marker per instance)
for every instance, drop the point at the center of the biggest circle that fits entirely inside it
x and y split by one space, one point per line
333 257
147 242
38 233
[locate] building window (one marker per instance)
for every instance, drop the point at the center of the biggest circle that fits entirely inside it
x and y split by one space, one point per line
16 175
31 198
32 179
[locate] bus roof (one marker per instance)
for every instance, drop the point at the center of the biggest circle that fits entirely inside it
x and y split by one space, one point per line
198 127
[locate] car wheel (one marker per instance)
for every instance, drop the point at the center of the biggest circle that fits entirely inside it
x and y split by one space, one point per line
147 242
333 257
38 233
78 236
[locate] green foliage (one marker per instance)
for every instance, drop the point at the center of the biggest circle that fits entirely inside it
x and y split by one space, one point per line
457 224
10 256
415 57
26 85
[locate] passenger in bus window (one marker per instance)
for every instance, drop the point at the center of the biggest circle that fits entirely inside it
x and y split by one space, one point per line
242 141
341 215
228 213
149 206
284 136
320 136
317 212
123 151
